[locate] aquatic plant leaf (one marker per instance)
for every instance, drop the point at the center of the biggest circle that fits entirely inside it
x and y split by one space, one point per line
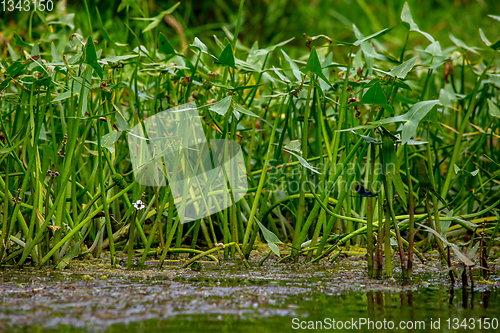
164 45
72 253
63 96
444 226
402 70
239 108
121 122
425 181
494 46
402 85
281 76
158 18
199 45
36 50
270 238
55 55
75 59
314 66
19 41
85 89
90 57
226 58
5 83
461 44
109 140
413 142
293 66
447 97
12 53
494 111
129 3
294 145
463 258
16 68
105 32
221 106
410 24
374 95
11 148
412 118
273 47
375 35
119 58
368 139
434 49
472 251
303 162
423 176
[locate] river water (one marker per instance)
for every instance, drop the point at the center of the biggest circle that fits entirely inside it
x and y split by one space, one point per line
90 297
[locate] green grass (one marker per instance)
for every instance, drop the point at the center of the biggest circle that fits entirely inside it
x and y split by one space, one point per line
314 115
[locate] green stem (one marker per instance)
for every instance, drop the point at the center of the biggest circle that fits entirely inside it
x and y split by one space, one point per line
246 246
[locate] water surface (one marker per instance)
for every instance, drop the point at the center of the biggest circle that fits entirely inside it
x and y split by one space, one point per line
230 298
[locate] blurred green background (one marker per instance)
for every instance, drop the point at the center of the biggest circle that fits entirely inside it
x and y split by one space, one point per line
269 21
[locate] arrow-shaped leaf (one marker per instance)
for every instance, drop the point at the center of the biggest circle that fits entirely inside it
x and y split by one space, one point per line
314 66
494 111
270 238
121 122
109 140
241 109
368 139
157 19
303 162
199 44
90 57
494 46
495 17
419 112
412 118
104 32
410 24
375 35
374 95
461 44
463 258
402 70
221 106
226 57
164 46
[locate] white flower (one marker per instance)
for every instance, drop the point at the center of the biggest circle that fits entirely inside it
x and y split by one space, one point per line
139 205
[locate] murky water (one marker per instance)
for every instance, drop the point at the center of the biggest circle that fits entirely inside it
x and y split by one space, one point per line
230 298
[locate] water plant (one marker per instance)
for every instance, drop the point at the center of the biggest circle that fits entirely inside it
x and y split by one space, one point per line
351 142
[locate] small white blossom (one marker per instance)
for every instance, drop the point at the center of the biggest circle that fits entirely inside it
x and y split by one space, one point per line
139 205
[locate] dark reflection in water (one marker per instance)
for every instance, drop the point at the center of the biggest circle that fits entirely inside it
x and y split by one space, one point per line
434 305
485 296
